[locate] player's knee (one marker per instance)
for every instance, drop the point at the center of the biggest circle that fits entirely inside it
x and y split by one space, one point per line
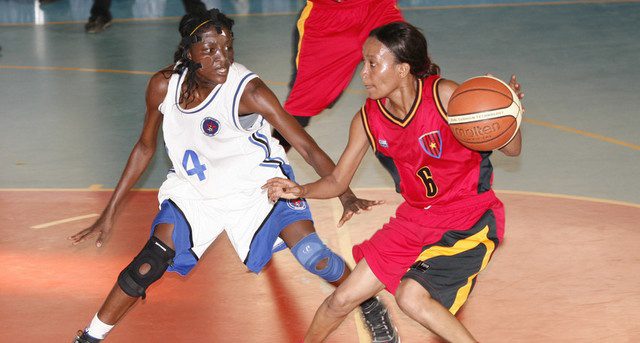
405 302
339 305
146 268
315 257
411 297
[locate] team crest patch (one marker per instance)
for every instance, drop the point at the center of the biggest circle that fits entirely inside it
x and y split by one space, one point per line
431 143
210 126
383 143
297 204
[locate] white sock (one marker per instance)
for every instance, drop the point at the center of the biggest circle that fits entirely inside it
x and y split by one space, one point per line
98 329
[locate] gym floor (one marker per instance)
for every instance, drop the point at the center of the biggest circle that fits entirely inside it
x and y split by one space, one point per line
73 108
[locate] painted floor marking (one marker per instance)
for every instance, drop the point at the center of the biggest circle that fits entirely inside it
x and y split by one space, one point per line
582 133
62 221
347 90
345 244
286 13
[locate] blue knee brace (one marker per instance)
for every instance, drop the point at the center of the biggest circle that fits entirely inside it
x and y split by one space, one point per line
310 251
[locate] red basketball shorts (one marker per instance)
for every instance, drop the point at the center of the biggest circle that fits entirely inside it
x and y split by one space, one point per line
443 250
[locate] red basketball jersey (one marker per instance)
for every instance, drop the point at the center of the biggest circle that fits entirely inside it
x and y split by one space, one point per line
434 168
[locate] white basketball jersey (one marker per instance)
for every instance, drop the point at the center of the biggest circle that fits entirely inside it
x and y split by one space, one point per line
215 153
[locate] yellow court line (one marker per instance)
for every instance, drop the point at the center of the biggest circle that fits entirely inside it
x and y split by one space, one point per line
583 133
91 188
518 4
541 194
345 243
144 20
87 70
403 8
355 190
348 90
571 197
344 238
62 221
73 22
112 71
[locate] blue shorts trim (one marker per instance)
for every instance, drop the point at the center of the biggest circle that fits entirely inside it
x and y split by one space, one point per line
185 258
283 214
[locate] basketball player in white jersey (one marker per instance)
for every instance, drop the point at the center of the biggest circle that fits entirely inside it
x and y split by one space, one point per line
216 118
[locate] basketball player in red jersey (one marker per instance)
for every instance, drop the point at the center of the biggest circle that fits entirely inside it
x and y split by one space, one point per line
451 222
329 49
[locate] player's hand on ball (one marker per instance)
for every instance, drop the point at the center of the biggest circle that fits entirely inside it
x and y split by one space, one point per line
513 83
102 227
282 188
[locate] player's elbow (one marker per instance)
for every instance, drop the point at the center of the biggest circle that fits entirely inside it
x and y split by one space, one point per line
511 153
339 188
512 150
514 147
311 153
146 148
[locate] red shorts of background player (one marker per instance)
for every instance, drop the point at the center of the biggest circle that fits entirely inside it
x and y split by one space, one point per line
330 48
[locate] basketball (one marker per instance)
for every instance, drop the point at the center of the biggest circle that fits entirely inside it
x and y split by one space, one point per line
484 113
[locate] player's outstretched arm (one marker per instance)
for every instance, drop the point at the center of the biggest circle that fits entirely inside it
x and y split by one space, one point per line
258 98
136 165
337 181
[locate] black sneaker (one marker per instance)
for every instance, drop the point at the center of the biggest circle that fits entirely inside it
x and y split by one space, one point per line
97 24
83 337
378 321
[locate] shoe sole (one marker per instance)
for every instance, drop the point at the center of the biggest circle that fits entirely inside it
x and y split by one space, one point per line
96 30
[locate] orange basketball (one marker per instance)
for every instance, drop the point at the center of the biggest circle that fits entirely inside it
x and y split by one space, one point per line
484 113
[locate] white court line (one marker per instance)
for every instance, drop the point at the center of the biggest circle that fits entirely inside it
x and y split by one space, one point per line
62 221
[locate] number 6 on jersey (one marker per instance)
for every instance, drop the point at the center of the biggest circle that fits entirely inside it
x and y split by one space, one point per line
427 179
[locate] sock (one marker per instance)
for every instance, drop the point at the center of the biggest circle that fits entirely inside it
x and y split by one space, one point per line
98 329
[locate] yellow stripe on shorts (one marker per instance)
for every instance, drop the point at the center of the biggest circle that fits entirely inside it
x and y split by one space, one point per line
460 247
303 18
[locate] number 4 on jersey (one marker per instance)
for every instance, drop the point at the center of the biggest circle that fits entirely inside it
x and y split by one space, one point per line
197 169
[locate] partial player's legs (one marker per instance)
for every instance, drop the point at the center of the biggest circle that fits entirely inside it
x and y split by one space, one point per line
439 283
100 18
194 6
361 285
416 302
146 268
329 50
318 259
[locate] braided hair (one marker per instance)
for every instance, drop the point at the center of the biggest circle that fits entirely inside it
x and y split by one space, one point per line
408 45
191 27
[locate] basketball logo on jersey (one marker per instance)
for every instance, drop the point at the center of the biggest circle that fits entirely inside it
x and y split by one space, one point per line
297 204
210 126
431 143
383 143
